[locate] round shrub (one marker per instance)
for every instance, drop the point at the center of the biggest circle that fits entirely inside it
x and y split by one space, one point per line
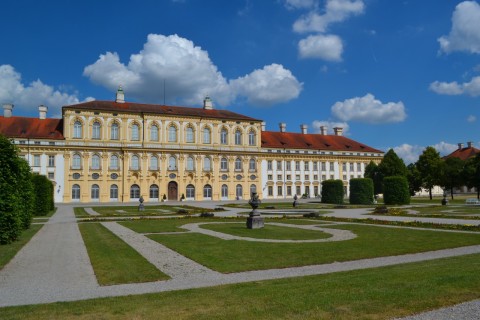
395 190
361 191
332 191
43 189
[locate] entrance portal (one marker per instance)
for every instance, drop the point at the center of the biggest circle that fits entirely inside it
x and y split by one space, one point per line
172 191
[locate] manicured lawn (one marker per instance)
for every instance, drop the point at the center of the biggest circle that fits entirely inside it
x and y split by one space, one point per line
8 251
379 293
372 241
114 261
439 211
150 210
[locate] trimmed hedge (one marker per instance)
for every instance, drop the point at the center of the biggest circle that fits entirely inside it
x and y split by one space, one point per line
361 191
43 189
332 191
395 190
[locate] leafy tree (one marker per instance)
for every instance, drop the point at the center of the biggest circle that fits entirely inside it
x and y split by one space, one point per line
414 179
471 173
429 165
372 172
43 194
453 174
392 165
25 192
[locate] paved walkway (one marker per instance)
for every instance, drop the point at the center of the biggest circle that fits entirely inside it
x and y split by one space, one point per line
54 266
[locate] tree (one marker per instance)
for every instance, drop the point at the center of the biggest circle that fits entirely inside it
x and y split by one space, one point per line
429 165
332 191
372 172
471 173
392 165
414 179
361 191
453 174
395 190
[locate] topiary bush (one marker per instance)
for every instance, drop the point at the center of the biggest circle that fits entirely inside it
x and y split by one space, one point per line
43 190
361 191
332 191
395 190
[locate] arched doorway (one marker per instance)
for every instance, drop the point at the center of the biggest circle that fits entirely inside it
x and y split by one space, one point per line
172 191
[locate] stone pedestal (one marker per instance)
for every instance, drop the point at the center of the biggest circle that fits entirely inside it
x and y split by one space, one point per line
255 222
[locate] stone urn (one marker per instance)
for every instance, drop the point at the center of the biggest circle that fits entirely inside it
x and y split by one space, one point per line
255 220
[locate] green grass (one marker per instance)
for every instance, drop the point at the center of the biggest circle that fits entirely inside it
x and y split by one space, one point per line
114 261
438 211
160 225
150 210
8 251
379 293
268 232
80 212
371 241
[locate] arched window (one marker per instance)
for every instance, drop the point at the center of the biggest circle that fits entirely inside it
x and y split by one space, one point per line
207 135
153 163
207 191
238 164
76 161
224 164
238 137
190 135
252 140
172 134
114 132
224 191
172 163
96 130
253 188
77 129
95 162
75 192
239 191
252 165
207 164
135 165
190 164
95 192
190 192
223 136
135 132
154 192
114 192
114 162
134 192
154 133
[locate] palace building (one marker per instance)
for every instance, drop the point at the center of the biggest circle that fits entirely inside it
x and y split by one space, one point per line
117 151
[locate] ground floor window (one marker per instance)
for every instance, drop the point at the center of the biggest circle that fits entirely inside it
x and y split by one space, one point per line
289 190
224 192
207 192
239 191
75 192
95 192
315 190
280 191
114 192
190 192
154 191
270 191
307 191
134 192
298 190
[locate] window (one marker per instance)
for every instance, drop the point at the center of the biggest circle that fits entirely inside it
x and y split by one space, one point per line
307 177
190 192
172 163
135 163
36 160
324 166
154 191
114 131
307 190
279 177
252 165
207 135
270 177
96 130
280 191
51 175
154 133
297 165
298 190
207 164
75 192
315 166
190 137
113 192
344 177
207 191
297 177
289 190
269 165
324 177
238 137
36 142
190 164
289 166
289 177
238 164
172 134
95 194
76 161
270 191
114 162
135 132
315 177
223 136
315 191
223 164
134 192
253 188
351 166
95 162
153 163
224 191
51 161
279 165
332 167
251 138
306 166
77 130
344 166
239 191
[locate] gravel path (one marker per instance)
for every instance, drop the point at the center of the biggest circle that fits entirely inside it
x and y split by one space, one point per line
92 212
463 311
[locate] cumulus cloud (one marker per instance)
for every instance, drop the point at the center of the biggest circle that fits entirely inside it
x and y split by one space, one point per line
471 118
367 109
465 32
189 75
316 124
299 4
410 153
28 97
471 88
326 47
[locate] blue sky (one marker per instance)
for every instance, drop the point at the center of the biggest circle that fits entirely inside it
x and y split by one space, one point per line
396 74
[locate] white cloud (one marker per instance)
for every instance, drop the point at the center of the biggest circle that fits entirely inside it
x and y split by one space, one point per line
471 88
299 4
29 97
410 153
316 124
326 47
367 109
471 118
465 32
335 11
189 75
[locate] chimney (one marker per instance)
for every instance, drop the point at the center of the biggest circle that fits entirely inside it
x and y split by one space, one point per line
460 146
207 103
338 131
120 96
283 126
470 144
323 130
304 128
42 110
7 110
264 125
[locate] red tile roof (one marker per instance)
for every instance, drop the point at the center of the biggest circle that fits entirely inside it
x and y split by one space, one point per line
31 128
159 109
290 140
463 153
